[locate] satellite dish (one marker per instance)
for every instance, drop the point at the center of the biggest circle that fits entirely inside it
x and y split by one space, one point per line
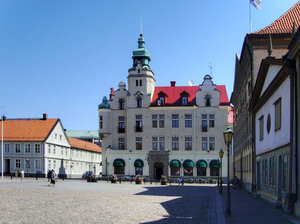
191 82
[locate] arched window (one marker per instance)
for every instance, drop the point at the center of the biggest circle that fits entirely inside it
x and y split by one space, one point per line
214 166
201 167
175 167
119 166
207 100
139 101
139 164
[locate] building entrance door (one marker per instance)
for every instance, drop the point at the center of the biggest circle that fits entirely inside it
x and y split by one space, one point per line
279 196
159 170
7 166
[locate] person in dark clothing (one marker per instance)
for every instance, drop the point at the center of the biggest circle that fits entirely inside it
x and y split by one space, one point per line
49 175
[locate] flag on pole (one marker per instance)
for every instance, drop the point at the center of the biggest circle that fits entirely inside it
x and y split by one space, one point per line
256 3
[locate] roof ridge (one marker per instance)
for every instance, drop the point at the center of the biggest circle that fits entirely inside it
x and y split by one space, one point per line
284 23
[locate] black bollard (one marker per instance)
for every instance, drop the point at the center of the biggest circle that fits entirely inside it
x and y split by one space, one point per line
11 175
36 176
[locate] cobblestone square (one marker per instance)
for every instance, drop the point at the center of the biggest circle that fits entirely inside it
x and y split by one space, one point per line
76 201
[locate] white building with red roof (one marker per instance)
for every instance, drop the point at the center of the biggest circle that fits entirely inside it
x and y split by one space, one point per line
155 130
39 145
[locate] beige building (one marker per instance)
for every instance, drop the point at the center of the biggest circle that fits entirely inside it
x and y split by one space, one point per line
174 130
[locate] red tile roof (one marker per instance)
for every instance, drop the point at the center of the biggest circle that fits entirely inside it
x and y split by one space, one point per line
79 144
27 129
173 97
284 24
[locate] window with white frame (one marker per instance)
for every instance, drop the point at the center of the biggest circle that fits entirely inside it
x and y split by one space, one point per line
161 143
37 148
175 143
188 120
211 120
6 148
154 143
175 121
211 143
54 164
18 148
54 149
37 164
204 122
49 149
188 143
27 148
18 163
27 164
277 105
138 143
121 143
49 164
204 143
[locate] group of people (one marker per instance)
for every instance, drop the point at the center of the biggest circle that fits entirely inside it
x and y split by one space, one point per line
51 177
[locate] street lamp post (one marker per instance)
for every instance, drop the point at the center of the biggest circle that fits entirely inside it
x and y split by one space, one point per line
2 119
221 154
228 133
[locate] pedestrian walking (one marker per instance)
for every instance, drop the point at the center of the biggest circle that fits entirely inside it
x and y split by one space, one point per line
53 176
49 175
22 174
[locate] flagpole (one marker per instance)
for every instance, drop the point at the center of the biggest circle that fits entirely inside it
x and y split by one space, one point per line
250 18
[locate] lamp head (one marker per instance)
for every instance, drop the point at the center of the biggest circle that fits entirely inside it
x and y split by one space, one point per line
228 133
221 153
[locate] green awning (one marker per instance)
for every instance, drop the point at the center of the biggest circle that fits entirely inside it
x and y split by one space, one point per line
175 163
119 163
188 163
139 163
201 164
214 164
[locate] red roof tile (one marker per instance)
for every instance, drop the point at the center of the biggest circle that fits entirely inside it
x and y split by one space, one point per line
284 24
27 129
79 144
174 98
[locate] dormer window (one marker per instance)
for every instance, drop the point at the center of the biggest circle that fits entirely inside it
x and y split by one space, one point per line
161 101
184 100
207 100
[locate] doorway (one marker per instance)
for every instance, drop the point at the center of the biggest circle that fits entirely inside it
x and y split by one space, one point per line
7 167
280 179
159 170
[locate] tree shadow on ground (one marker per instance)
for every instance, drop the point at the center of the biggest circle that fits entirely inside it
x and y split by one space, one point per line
191 206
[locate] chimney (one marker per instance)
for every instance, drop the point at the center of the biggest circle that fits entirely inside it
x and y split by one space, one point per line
45 116
173 83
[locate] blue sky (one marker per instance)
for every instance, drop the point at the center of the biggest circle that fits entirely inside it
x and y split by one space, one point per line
60 57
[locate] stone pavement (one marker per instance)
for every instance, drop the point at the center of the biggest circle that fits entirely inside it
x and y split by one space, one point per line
76 201
248 209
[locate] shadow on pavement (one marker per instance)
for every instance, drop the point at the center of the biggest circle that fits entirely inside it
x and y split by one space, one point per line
191 206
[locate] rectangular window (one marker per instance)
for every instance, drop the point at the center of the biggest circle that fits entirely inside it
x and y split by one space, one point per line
101 122
261 128
121 124
184 100
139 123
204 122
204 143
37 164
188 120
27 148
18 163
175 121
55 136
6 148
277 105
37 148
49 149
211 120
175 143
54 149
161 121
154 121
161 101
138 143
60 137
49 164
18 148
188 143
211 143
161 143
54 164
154 143
27 164
121 144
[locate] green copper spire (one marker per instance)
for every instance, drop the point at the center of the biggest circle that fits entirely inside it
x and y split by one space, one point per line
141 54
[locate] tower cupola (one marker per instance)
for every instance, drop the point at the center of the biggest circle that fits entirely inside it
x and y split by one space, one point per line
141 54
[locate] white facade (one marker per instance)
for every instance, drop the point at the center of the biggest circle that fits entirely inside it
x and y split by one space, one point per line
137 124
55 153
